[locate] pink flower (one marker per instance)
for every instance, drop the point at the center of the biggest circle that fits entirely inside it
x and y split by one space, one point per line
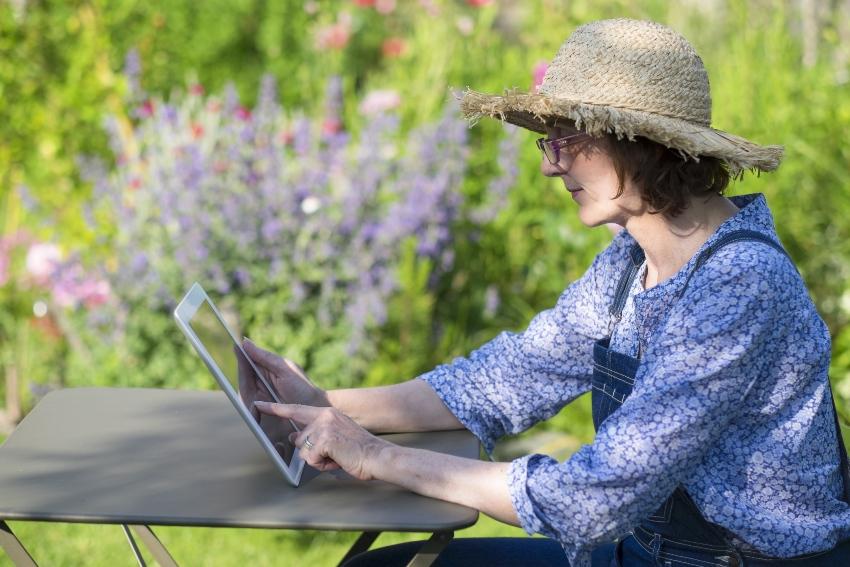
147 109
75 288
430 7
538 73
94 292
379 101
465 25
334 36
385 6
42 261
243 113
4 264
393 47
197 89
331 126
478 3
365 3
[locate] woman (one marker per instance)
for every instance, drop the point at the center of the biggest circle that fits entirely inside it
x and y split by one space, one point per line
716 436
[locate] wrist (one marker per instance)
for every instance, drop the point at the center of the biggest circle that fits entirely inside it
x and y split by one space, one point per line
381 459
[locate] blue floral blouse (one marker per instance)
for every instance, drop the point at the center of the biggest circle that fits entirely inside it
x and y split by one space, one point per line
730 400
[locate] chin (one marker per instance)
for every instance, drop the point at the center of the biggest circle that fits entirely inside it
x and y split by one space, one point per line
591 222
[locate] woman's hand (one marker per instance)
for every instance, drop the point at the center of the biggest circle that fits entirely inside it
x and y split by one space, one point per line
286 377
335 440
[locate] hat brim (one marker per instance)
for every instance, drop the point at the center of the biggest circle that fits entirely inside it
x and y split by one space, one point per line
536 111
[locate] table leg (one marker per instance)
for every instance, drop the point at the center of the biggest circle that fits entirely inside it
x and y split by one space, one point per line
154 545
14 548
431 549
136 551
362 544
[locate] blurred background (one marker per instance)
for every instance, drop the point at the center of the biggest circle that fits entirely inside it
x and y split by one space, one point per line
305 161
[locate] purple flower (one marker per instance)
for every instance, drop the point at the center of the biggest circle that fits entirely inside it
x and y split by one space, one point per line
267 202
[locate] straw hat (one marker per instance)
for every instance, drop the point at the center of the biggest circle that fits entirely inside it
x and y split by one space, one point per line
631 78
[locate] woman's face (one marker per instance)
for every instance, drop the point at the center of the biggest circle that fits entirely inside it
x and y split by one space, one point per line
589 175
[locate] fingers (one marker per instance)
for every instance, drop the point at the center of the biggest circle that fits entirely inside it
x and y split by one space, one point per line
260 356
295 368
297 412
313 453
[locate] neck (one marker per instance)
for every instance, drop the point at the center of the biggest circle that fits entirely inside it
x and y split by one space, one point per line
670 242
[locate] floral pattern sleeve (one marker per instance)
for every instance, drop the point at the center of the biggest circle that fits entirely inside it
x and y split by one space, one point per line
519 379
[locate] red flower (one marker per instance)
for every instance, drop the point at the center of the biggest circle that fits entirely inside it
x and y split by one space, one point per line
197 130
243 113
135 184
197 89
365 3
393 47
478 3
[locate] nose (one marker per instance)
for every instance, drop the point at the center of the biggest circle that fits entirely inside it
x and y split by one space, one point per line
549 170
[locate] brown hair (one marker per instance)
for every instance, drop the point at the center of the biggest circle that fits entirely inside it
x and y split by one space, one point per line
667 180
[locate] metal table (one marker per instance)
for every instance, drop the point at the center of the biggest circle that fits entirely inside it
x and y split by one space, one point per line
142 457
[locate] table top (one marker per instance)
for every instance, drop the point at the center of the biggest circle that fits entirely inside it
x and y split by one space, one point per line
171 457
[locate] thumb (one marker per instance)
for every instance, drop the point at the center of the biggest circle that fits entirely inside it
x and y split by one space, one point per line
260 356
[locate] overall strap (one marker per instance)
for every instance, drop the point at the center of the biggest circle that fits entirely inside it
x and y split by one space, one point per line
842 450
636 257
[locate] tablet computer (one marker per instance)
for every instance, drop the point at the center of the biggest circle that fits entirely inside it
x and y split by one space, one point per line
203 325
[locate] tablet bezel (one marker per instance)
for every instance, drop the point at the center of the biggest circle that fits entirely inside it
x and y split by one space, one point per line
183 314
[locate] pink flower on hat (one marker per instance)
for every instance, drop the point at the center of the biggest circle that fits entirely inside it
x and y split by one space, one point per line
538 73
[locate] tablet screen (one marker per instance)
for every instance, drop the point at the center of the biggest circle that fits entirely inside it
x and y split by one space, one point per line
227 355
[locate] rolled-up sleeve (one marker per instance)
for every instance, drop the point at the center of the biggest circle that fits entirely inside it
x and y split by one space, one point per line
689 387
519 379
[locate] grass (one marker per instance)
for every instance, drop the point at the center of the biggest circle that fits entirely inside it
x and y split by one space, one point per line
99 545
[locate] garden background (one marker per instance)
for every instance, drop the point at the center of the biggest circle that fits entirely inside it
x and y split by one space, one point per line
306 162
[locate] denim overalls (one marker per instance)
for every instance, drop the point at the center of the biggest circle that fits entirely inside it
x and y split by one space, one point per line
677 534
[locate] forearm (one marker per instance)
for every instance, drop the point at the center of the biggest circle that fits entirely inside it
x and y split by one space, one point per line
477 484
409 406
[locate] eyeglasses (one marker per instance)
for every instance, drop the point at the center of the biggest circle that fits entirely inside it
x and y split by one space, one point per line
552 148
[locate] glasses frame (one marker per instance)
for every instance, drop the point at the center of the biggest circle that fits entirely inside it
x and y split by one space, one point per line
552 148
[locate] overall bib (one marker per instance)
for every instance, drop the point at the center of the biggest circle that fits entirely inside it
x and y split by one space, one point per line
677 534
